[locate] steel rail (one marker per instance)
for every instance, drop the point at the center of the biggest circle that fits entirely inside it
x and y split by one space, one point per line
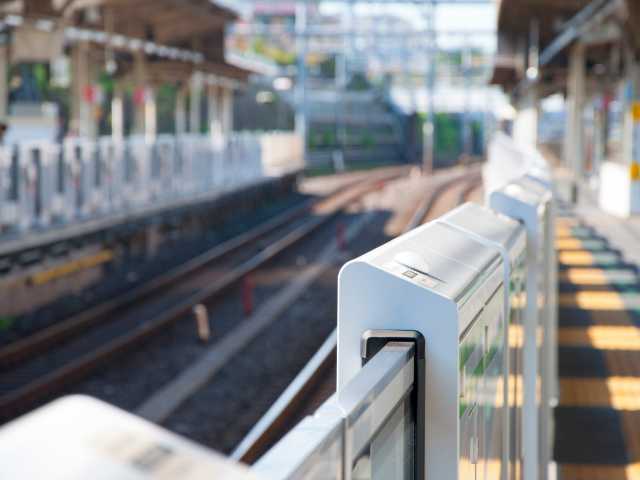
472 185
66 329
19 400
425 207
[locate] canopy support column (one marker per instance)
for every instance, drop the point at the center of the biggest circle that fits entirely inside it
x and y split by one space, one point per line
181 110
4 72
227 112
525 125
301 77
82 120
195 111
576 93
215 125
145 103
117 113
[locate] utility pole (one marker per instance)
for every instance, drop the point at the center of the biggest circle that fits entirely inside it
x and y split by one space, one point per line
301 120
467 132
429 132
342 80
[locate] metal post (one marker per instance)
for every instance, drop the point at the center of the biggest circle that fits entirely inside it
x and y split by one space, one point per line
196 103
212 108
525 128
117 113
181 114
301 53
429 133
466 120
4 70
140 79
150 114
82 121
341 84
574 135
227 112
215 128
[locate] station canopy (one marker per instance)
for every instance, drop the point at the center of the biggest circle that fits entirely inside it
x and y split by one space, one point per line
551 27
159 28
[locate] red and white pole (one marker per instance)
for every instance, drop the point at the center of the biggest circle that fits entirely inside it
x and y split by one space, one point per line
247 295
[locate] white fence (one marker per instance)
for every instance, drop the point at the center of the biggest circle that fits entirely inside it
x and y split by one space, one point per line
43 183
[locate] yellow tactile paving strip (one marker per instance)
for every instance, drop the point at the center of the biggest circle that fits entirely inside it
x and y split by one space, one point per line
602 337
598 419
583 277
621 393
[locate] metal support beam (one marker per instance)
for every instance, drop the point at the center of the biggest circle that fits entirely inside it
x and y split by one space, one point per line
195 110
150 114
117 113
576 93
429 133
181 110
214 112
4 87
582 22
82 119
140 87
227 112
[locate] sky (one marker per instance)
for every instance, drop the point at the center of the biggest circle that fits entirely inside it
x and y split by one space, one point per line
462 18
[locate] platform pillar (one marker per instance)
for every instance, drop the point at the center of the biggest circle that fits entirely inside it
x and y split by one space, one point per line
117 113
576 93
181 110
213 99
144 98
195 110
227 111
525 126
301 114
150 114
600 134
4 72
83 122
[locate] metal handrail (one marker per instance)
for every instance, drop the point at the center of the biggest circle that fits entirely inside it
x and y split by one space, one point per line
327 444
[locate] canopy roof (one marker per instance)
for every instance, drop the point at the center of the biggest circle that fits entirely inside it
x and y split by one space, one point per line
559 24
190 25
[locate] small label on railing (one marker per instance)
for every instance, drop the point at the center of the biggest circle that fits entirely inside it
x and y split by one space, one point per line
411 275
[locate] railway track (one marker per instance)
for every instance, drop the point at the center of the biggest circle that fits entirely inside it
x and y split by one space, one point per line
90 340
316 382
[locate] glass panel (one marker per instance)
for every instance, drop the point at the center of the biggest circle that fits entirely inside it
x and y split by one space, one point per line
378 411
312 450
391 452
393 448
326 464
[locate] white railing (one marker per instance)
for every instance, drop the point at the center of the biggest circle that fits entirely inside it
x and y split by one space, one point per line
369 425
43 183
487 402
445 357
